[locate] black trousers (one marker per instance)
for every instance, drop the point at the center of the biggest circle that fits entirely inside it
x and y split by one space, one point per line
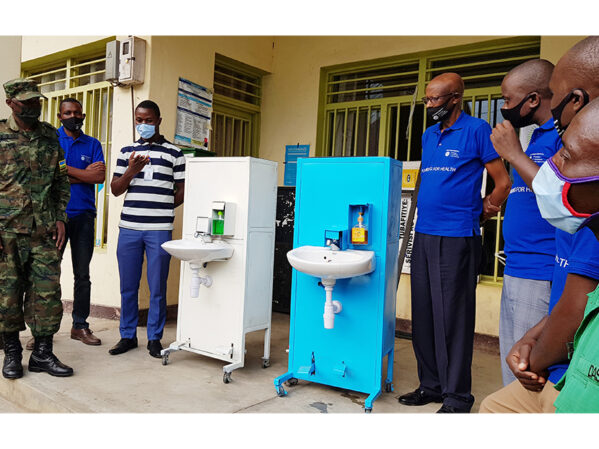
443 281
80 233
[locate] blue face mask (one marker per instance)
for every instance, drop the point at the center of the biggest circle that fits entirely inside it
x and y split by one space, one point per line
145 131
551 191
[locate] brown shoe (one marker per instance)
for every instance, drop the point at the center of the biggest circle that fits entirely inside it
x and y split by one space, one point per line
30 344
85 336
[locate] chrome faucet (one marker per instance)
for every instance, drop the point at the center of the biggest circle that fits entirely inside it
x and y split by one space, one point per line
206 238
332 245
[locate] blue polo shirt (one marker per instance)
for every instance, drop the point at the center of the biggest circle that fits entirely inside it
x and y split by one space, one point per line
449 200
530 239
576 254
79 153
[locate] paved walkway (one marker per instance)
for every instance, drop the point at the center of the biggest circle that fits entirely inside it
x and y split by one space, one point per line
137 383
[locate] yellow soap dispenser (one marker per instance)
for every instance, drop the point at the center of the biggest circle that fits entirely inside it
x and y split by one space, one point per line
359 233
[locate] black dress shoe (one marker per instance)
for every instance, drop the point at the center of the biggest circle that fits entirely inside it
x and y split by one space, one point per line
123 345
419 397
154 347
450 409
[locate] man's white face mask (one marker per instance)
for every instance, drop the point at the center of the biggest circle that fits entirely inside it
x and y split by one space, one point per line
551 191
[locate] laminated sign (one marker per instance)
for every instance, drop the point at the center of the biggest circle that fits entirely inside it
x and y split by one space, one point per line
194 113
408 183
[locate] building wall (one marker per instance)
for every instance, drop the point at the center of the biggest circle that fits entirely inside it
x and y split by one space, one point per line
10 55
553 47
39 46
288 116
290 97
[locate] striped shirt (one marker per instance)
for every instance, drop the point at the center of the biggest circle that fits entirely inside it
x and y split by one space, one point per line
149 201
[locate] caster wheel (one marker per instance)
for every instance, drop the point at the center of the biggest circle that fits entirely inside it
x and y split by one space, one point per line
292 382
388 388
281 391
227 378
265 363
368 410
165 359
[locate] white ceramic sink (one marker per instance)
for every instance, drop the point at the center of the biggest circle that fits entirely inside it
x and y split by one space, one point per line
322 262
198 251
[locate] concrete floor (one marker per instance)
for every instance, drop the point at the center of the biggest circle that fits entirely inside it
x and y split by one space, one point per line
137 383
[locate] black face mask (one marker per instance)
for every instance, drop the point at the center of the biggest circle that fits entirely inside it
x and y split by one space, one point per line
72 124
439 113
29 114
513 116
557 111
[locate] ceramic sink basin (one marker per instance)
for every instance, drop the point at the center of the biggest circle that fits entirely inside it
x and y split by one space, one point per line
322 262
198 251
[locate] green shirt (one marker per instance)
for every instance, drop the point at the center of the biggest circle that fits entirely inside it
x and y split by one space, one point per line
34 187
579 387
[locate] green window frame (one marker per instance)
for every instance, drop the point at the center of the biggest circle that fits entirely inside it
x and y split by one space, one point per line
79 73
236 108
365 107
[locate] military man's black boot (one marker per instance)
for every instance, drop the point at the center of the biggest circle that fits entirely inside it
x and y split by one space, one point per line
43 360
13 354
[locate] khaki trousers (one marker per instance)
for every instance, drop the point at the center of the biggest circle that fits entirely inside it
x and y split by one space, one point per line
516 399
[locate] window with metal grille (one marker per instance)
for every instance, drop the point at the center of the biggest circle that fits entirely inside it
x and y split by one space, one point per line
236 108
370 108
82 79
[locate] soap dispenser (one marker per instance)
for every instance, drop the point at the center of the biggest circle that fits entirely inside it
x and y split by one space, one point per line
218 224
359 233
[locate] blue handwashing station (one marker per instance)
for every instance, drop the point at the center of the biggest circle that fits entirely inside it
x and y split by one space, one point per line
345 260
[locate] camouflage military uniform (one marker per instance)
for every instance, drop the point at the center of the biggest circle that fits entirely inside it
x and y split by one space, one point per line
34 192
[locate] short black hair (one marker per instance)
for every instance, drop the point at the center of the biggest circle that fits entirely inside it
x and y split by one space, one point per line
68 100
149 104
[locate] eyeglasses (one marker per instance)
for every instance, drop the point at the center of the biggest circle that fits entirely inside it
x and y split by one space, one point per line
425 100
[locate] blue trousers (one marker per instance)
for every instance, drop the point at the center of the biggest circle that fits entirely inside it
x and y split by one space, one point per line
443 279
130 254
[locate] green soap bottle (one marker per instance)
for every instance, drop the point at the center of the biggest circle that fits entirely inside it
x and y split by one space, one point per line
218 224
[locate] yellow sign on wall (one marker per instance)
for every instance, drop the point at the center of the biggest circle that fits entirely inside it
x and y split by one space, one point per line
409 175
408 179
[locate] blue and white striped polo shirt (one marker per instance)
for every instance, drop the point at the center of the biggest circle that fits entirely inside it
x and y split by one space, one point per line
149 203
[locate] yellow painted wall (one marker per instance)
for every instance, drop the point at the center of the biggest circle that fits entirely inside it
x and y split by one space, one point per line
10 55
37 46
290 94
553 47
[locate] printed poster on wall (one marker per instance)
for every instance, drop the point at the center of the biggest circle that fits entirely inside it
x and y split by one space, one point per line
194 112
292 154
409 175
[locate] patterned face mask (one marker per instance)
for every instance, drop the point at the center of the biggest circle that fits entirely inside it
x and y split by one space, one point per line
551 191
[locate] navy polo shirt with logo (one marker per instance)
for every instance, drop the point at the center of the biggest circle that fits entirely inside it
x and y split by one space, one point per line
79 153
575 254
530 239
449 200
